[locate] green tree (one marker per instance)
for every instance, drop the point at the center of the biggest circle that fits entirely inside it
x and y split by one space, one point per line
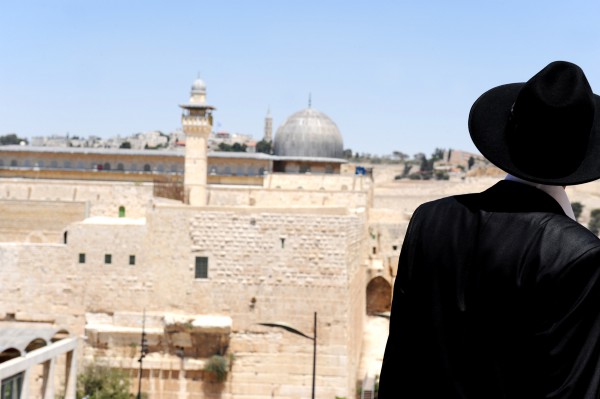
577 209
224 147
125 145
101 382
594 224
399 155
470 162
438 154
237 147
11 139
263 146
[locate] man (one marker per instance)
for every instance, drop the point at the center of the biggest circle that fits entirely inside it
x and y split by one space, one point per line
498 293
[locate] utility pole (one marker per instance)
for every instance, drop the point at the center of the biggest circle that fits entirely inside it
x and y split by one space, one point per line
143 353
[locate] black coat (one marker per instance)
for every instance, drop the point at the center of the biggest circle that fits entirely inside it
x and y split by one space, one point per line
497 296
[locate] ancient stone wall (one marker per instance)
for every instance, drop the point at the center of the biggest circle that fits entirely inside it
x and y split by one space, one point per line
263 266
104 198
38 221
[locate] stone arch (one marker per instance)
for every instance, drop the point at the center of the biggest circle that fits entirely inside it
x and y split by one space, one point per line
379 296
8 354
35 344
60 334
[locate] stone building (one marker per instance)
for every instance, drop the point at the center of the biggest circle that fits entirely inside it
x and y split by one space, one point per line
204 276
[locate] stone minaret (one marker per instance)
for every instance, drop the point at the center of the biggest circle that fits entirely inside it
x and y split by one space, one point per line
268 127
197 125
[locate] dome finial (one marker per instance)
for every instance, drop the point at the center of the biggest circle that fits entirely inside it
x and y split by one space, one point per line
309 99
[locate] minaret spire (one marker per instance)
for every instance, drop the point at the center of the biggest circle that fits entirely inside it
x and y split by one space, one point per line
197 123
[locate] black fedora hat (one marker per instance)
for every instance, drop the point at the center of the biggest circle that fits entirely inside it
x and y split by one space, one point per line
546 130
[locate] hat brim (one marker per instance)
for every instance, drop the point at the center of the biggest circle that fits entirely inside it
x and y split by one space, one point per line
487 125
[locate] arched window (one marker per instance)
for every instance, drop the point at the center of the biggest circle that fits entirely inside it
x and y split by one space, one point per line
120 167
161 167
227 171
251 171
14 163
379 296
54 164
133 167
147 168
67 164
106 166
261 171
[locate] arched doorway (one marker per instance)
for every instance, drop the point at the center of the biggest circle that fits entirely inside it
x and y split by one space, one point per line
379 296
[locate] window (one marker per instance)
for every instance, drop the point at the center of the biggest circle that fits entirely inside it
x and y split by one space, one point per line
121 211
201 267
108 259
147 168
12 387
120 167
132 259
81 258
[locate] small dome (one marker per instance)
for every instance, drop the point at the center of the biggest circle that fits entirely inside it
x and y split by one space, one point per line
309 133
198 86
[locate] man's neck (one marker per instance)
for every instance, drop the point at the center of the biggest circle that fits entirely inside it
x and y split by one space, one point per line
556 192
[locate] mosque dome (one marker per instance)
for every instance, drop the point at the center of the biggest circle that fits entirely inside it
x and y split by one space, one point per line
308 133
198 86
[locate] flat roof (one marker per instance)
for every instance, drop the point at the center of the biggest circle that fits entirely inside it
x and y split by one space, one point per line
179 152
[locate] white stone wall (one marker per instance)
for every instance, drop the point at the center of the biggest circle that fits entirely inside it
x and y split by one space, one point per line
318 267
104 198
40 283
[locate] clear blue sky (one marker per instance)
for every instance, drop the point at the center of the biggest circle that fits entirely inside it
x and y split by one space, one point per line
393 75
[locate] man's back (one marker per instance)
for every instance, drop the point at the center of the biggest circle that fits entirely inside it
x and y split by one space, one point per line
497 296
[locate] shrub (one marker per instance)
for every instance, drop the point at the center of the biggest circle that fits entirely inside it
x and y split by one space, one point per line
218 366
101 382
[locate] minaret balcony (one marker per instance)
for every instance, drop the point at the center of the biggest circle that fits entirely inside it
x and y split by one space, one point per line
195 121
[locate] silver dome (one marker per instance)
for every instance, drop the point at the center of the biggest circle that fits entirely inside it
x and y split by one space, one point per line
198 86
309 133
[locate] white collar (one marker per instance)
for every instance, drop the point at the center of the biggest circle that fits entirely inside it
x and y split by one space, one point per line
556 192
